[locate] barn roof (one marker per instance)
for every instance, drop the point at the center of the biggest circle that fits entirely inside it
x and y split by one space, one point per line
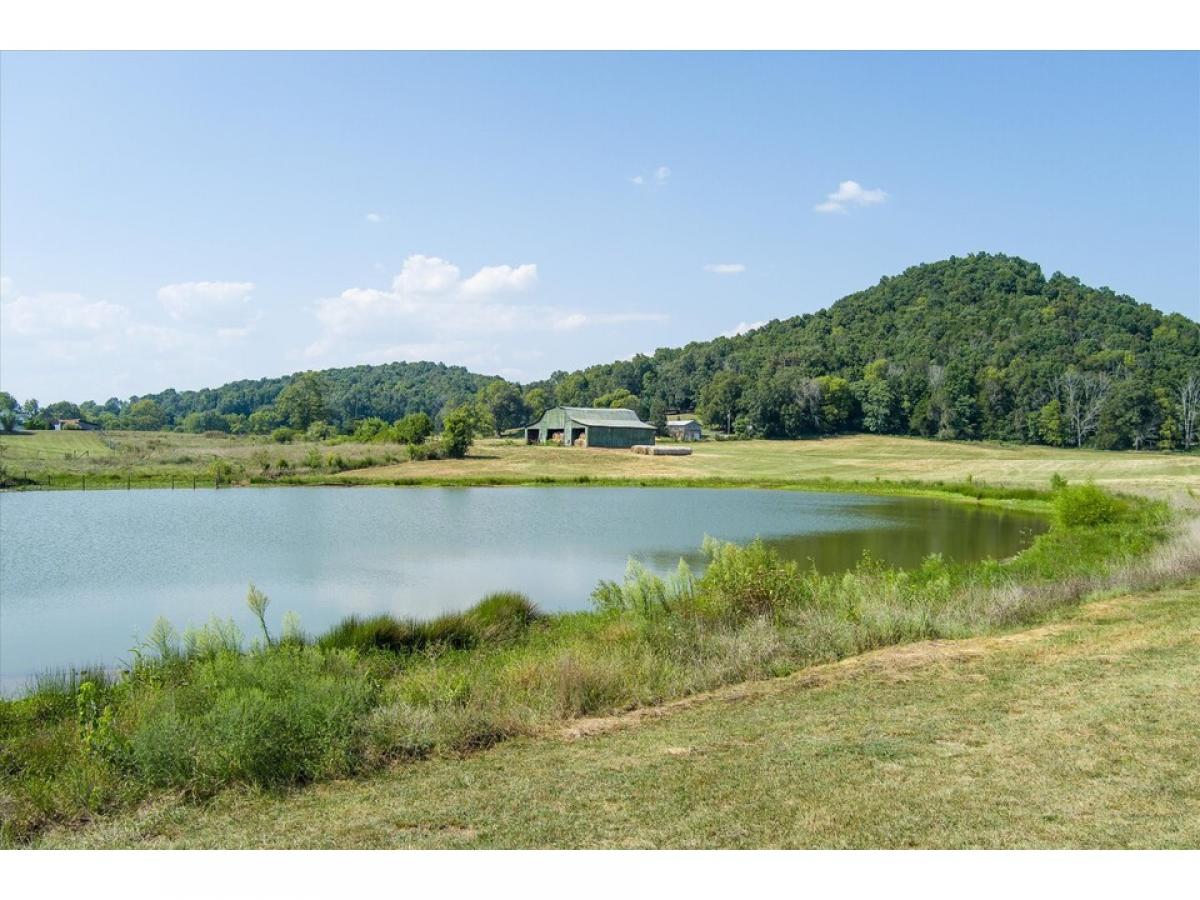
681 422
609 418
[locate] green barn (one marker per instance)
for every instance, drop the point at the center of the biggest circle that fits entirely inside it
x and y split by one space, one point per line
578 426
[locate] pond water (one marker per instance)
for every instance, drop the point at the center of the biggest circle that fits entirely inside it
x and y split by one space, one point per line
84 575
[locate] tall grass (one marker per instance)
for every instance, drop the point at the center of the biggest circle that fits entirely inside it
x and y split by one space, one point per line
201 711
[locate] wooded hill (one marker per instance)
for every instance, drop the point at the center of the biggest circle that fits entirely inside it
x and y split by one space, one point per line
983 346
978 347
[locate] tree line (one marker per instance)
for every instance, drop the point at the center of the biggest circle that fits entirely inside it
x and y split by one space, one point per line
976 347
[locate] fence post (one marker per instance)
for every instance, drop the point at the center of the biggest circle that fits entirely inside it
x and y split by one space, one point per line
172 482
83 482
193 482
128 480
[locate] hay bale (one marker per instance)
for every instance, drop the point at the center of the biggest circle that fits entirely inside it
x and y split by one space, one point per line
661 450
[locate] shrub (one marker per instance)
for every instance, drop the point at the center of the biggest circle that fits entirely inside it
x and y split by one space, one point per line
283 435
422 452
280 717
319 431
384 632
413 428
501 617
495 619
1085 505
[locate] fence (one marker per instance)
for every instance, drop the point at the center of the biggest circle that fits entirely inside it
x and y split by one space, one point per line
126 482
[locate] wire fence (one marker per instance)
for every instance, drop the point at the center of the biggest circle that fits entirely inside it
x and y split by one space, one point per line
26 481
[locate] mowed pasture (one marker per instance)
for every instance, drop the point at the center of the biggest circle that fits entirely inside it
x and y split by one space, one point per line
1077 733
848 458
152 457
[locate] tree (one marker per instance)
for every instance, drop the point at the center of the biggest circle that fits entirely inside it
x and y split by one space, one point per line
503 399
210 420
413 428
8 420
658 416
878 406
837 402
621 398
144 415
573 390
1189 409
303 401
537 401
458 430
7 402
721 399
1050 423
263 420
63 409
1083 396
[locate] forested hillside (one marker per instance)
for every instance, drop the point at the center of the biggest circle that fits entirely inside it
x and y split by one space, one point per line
978 347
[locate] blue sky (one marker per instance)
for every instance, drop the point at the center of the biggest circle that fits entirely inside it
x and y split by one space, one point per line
188 219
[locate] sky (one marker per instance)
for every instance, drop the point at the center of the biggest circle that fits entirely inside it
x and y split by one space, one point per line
183 220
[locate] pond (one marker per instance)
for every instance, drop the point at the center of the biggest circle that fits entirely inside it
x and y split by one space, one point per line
84 575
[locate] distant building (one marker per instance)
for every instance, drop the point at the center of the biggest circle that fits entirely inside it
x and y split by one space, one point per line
74 425
684 430
578 426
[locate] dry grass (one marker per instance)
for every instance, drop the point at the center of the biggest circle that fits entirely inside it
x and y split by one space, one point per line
857 457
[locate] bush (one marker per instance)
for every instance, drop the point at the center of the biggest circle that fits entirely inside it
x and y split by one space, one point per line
495 619
384 632
422 452
280 717
319 431
1087 506
413 428
501 617
283 435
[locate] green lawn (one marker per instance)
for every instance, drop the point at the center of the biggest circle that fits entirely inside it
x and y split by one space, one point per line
1079 733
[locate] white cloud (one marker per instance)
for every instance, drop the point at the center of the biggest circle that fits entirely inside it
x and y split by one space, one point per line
432 309
73 345
495 279
374 218
657 178
59 314
206 301
425 275
850 193
725 268
742 328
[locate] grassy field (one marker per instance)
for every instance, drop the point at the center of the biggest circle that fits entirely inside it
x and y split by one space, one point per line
153 458
1079 733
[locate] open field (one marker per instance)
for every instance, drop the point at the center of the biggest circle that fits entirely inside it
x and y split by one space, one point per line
156 457
1078 733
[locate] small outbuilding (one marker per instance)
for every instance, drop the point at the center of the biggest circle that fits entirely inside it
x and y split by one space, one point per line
684 429
580 426
74 425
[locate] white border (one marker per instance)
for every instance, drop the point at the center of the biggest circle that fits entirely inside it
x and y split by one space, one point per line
583 875
596 24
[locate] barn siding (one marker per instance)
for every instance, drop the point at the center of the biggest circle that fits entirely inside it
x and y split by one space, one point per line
594 435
